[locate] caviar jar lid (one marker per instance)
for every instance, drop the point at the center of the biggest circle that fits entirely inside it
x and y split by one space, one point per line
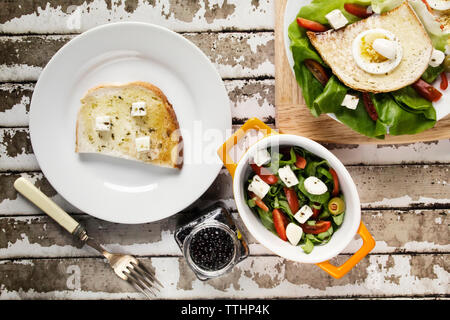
211 248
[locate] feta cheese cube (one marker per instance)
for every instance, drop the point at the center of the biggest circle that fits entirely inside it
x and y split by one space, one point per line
447 49
437 57
103 123
262 157
303 214
138 109
336 19
294 233
142 144
258 187
350 101
288 176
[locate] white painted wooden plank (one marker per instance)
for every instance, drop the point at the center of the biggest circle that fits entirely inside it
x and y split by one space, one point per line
408 186
255 277
16 152
41 16
15 104
247 98
234 54
414 231
419 152
13 203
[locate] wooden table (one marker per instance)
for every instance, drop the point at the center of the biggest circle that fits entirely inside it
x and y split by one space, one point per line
404 189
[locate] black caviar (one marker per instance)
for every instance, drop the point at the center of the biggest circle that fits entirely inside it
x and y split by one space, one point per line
211 248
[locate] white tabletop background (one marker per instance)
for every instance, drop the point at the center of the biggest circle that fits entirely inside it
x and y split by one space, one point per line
404 189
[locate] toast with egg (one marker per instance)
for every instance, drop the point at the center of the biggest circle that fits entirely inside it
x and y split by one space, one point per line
335 48
132 121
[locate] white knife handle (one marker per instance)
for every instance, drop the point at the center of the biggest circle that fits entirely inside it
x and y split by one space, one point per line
27 189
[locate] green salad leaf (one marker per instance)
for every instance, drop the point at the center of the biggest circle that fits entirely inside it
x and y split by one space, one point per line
311 87
431 74
329 101
266 219
400 118
317 9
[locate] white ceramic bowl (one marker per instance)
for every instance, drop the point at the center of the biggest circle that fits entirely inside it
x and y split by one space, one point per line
341 238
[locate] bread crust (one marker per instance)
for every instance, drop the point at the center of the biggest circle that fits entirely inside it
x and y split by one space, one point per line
178 161
314 39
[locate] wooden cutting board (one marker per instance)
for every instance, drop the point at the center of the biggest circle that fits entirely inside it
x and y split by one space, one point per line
293 116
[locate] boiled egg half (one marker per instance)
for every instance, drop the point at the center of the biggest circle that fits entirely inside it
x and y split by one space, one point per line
377 51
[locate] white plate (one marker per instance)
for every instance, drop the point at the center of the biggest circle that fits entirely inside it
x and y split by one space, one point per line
290 13
121 190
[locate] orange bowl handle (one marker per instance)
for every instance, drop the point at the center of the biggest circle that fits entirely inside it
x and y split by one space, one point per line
368 245
223 151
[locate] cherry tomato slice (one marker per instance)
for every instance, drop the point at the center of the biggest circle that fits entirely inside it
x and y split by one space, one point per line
335 191
319 227
368 104
280 222
357 10
311 25
317 70
265 174
292 199
427 91
301 162
315 213
258 201
428 6
444 81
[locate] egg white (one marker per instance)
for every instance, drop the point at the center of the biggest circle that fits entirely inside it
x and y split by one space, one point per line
440 5
376 67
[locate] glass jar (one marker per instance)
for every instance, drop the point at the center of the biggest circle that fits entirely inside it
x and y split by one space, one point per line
212 244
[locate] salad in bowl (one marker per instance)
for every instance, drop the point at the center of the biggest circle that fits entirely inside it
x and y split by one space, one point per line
296 195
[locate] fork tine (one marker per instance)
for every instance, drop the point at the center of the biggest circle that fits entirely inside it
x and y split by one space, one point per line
142 280
145 272
137 286
140 285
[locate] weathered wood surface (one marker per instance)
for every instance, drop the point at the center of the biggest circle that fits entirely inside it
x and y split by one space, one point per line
396 231
256 277
235 55
395 186
63 16
404 189
247 97
16 152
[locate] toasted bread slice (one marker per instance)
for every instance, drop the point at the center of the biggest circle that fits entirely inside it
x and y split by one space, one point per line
115 102
335 47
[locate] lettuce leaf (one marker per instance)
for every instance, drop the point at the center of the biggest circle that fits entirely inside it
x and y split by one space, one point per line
432 73
329 101
317 9
360 121
398 118
311 87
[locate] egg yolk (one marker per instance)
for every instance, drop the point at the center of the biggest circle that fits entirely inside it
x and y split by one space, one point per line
367 51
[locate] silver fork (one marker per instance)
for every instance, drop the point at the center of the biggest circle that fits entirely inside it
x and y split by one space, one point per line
126 267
